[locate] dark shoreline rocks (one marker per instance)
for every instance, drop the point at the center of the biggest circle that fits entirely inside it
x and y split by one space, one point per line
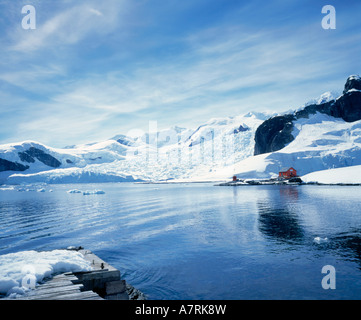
256 183
134 294
281 182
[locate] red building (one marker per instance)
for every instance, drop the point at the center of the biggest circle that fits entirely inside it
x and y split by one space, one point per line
287 173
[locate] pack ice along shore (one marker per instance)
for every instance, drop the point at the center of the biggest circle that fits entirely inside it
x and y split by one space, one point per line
323 134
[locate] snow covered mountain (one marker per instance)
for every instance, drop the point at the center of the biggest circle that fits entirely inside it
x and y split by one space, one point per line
175 153
325 133
321 142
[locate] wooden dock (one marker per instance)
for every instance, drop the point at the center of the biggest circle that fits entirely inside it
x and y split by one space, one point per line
102 283
61 287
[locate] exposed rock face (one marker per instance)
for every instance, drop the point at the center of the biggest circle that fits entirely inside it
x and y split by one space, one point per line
348 107
353 82
24 157
275 133
125 141
326 108
6 165
47 159
240 129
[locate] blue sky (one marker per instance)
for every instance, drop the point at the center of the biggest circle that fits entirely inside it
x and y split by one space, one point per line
94 69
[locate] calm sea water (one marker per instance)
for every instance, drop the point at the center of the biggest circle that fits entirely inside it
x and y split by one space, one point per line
199 241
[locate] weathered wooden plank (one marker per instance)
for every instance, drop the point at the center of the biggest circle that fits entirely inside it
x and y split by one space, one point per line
54 285
49 292
50 296
94 298
41 290
61 278
77 296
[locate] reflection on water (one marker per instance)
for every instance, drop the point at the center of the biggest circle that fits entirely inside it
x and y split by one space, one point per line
280 224
347 245
198 241
279 220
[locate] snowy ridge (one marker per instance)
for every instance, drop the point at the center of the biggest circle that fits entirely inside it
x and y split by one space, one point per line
323 98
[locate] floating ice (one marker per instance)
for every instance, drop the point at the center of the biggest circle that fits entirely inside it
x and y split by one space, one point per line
6 188
74 191
87 193
320 240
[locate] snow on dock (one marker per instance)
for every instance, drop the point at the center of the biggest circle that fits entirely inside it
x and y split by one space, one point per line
90 277
61 287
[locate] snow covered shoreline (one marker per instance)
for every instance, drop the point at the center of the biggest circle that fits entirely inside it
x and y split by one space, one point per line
346 176
339 176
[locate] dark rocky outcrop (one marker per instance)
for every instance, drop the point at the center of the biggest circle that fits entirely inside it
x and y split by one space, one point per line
295 180
275 133
348 106
353 82
6 165
31 153
326 108
125 141
24 157
240 129
43 157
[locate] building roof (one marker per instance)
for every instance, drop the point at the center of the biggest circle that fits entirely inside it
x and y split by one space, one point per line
285 169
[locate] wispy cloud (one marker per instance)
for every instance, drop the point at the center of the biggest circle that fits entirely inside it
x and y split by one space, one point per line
95 69
70 26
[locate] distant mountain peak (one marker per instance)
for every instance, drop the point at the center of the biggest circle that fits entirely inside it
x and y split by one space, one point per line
323 98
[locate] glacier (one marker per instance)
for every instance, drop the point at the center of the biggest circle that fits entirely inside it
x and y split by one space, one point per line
168 155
